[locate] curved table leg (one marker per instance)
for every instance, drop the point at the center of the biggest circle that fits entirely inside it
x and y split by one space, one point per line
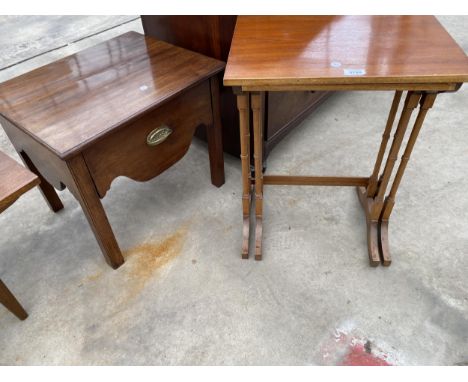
377 208
372 227
245 237
426 102
383 243
246 228
372 197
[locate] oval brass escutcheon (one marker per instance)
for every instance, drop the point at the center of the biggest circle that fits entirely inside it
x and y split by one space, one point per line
158 135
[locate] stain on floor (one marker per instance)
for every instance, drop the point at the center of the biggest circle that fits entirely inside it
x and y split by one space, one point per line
352 348
143 260
359 356
93 277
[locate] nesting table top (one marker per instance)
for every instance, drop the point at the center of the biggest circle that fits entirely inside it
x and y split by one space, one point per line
69 103
340 50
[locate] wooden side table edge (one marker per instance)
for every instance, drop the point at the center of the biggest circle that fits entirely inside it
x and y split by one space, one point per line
13 198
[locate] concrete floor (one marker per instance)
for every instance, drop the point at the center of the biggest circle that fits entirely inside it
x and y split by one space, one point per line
184 296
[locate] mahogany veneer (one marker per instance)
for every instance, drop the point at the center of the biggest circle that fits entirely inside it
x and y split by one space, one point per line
128 106
308 53
305 52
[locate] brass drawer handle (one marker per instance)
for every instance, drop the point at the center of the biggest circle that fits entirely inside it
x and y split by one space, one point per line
158 135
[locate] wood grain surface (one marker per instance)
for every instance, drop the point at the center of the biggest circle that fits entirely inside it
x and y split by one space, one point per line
70 103
15 180
342 50
126 152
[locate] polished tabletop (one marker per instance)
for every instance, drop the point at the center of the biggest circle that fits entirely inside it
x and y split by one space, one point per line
71 102
298 50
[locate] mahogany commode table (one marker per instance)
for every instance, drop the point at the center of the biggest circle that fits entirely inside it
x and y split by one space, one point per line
128 106
412 54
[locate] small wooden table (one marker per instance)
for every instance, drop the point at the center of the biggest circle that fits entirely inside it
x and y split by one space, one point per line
128 106
412 54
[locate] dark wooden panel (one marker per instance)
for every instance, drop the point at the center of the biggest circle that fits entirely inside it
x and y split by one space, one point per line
208 35
284 107
212 35
296 110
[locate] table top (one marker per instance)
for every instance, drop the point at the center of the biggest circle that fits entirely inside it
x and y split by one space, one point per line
68 104
15 180
343 51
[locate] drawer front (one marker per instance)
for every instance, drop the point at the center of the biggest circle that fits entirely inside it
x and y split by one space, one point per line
285 107
126 152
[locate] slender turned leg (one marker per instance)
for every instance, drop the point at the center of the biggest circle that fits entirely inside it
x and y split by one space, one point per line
258 155
411 103
244 118
85 192
372 188
427 101
373 206
47 190
215 137
11 303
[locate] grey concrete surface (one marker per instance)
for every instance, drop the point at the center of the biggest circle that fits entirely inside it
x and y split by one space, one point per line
184 296
24 41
